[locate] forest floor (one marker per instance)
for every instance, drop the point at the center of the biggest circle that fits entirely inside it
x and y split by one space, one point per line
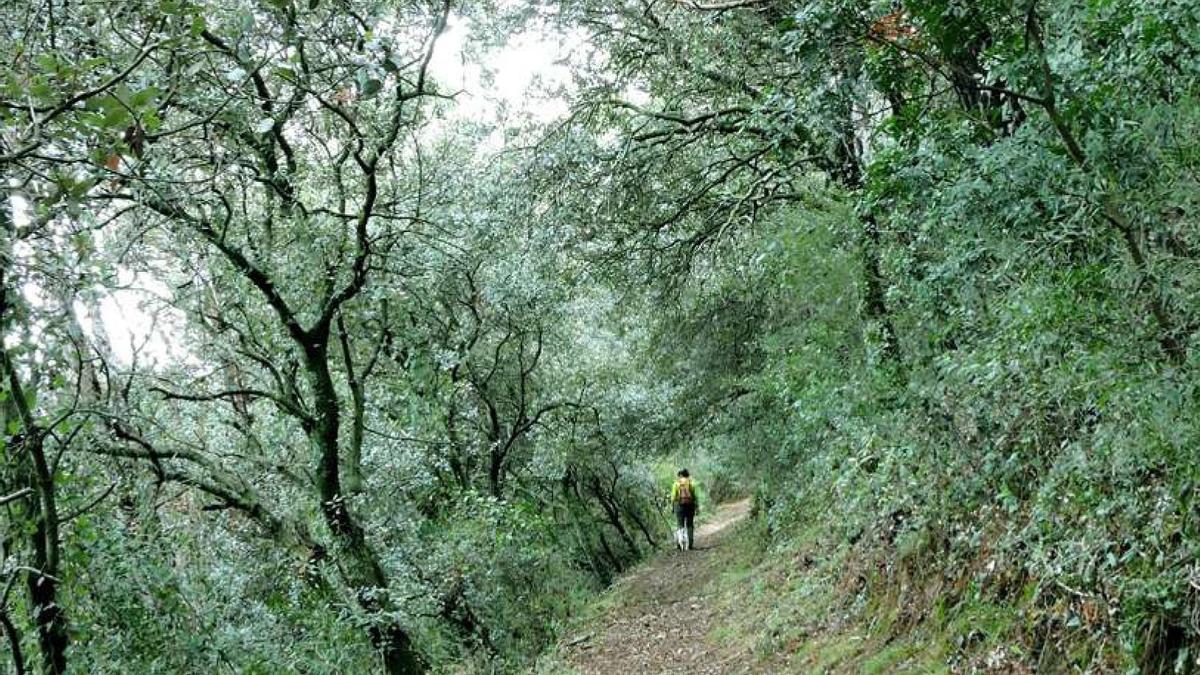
734 606
660 617
738 605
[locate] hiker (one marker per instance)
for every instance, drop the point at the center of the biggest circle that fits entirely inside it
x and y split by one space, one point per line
685 504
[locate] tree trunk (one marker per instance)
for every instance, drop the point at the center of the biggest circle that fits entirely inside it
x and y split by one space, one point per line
848 170
14 641
41 510
42 579
642 526
612 510
873 294
357 563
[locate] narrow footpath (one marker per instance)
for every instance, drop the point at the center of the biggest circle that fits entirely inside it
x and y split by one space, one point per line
663 620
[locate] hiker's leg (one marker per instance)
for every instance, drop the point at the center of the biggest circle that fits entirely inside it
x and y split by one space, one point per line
691 517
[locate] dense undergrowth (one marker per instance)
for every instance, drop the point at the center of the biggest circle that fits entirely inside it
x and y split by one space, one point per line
1021 501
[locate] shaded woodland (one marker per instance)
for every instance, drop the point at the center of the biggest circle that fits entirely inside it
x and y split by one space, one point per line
306 369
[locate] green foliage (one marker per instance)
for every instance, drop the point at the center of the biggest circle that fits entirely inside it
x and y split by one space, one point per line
975 344
919 276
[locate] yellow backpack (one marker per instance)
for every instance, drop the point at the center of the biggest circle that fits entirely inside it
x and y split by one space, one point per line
686 497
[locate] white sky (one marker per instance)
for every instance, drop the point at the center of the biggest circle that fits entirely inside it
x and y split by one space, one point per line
521 79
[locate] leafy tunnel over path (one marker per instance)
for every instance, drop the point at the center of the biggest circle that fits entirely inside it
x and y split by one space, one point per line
357 335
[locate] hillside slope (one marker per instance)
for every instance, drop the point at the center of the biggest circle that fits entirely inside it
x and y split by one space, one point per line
737 606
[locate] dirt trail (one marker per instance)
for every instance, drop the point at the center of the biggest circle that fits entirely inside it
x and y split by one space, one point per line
662 623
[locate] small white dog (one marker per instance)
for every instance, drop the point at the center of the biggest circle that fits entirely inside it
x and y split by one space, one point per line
681 539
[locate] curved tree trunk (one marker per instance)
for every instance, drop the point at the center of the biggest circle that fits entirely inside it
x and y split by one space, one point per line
358 564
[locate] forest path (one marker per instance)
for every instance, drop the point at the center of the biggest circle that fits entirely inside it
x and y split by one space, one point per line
664 612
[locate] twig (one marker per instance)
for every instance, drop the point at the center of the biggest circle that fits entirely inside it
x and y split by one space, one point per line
23 492
90 505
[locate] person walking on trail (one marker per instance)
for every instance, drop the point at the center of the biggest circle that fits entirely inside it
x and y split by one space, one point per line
685 503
